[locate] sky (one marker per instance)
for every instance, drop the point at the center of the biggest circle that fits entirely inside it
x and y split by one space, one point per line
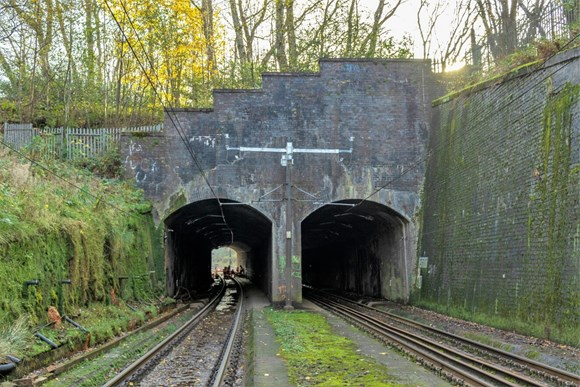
405 22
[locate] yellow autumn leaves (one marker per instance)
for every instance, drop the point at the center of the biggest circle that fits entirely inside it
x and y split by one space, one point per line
172 44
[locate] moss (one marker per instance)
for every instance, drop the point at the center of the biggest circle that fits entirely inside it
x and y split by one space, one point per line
176 201
51 232
554 200
501 208
318 357
481 85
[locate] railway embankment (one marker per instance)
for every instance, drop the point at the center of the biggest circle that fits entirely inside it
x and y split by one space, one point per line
80 259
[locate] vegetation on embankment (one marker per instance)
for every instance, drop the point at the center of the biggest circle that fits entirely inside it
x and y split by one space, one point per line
316 356
60 222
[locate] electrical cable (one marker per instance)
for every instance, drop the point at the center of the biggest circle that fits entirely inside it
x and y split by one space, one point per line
413 166
174 120
481 119
50 171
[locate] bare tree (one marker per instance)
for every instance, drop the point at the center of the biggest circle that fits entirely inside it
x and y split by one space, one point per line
532 22
380 17
427 26
499 18
451 47
280 35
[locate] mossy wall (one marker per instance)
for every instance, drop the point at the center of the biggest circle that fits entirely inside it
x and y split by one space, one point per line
501 209
52 231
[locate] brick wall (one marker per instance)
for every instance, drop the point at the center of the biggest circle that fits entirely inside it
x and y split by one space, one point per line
501 214
383 104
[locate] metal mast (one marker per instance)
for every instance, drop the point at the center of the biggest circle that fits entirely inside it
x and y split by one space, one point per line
287 161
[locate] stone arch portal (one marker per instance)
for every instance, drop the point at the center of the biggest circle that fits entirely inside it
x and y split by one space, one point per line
358 246
194 230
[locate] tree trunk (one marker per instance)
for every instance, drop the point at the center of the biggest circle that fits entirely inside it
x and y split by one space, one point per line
207 14
291 32
280 35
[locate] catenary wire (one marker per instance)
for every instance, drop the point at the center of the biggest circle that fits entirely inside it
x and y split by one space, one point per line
174 120
481 118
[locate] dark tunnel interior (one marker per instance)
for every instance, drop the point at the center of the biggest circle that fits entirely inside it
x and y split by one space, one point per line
194 230
357 248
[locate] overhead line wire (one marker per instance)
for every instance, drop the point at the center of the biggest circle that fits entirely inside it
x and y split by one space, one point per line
50 171
176 124
481 118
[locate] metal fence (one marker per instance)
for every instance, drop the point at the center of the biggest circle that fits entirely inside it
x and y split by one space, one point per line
558 19
69 143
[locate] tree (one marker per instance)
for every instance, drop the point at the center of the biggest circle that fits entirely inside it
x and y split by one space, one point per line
175 45
533 20
380 17
427 27
499 18
104 62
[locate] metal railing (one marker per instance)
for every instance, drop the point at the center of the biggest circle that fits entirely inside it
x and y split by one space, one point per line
69 143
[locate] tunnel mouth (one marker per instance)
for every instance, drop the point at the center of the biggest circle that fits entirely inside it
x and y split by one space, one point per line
196 229
356 246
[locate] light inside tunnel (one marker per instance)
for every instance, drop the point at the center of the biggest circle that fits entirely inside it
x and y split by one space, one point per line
360 248
222 257
197 229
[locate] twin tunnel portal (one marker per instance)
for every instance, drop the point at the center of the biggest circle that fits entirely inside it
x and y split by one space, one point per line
345 245
341 210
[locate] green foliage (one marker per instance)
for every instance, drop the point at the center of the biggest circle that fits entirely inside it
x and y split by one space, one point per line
50 231
14 339
318 357
107 165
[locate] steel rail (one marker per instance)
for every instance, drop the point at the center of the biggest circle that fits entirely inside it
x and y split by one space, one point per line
472 370
218 377
128 372
536 367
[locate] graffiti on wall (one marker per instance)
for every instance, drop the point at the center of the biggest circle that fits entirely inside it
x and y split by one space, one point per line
208 141
143 169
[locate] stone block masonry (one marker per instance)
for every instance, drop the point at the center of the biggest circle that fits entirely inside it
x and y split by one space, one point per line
501 199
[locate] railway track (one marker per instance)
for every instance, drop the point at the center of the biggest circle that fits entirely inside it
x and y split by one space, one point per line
460 360
198 353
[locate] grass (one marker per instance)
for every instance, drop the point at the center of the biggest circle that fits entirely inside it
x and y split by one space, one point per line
318 357
51 231
99 370
532 354
565 335
14 339
480 338
104 323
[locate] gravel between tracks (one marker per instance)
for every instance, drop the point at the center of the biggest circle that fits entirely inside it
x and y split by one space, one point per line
545 351
192 361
